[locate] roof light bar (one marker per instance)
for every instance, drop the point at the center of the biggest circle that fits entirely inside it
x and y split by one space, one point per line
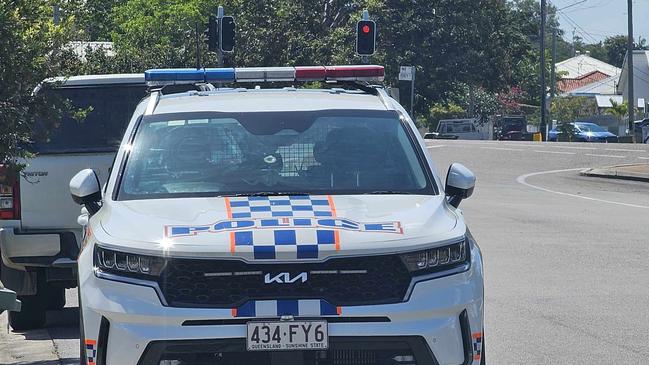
355 73
310 73
219 75
263 74
368 73
173 76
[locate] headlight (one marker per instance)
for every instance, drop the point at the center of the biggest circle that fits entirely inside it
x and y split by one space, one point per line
437 259
128 264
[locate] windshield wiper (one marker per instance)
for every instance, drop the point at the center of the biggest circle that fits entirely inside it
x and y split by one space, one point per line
388 192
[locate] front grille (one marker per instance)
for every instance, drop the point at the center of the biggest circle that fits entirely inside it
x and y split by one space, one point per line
231 283
401 350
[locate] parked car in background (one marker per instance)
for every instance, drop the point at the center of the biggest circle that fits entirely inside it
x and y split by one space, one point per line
39 233
638 127
458 129
511 128
583 132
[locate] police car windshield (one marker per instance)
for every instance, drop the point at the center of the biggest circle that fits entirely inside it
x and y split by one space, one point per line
224 154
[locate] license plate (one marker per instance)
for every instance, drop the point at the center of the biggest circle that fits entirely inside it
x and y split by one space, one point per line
289 335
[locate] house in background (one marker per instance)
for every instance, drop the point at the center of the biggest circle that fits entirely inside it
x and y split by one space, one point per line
640 81
589 77
586 76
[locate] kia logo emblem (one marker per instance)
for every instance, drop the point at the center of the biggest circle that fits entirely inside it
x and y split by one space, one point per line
285 278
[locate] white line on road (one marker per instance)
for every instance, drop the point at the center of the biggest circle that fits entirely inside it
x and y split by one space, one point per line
501 149
644 158
523 180
556 152
575 148
612 156
622 150
436 146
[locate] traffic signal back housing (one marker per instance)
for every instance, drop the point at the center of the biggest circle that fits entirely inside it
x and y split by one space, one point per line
211 34
366 37
226 34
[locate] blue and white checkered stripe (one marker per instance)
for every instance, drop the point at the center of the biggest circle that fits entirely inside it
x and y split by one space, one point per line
288 244
277 308
280 206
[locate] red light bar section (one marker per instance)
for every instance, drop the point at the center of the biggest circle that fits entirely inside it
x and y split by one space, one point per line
310 73
362 72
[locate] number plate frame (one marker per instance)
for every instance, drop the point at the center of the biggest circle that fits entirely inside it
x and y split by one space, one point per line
284 333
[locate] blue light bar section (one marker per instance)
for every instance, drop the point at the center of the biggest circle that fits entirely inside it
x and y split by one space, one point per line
174 76
219 75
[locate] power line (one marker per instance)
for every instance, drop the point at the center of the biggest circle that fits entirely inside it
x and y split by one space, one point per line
573 4
582 30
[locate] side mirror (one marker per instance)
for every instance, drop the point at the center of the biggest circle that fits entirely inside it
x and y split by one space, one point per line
460 182
86 190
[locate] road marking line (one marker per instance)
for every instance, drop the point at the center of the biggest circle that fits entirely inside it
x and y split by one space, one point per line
437 146
613 156
501 149
523 180
643 158
622 150
575 148
556 152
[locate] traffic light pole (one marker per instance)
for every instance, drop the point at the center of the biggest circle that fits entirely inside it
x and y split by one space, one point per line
219 53
198 49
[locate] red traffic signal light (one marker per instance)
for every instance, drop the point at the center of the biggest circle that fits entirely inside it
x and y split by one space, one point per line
366 37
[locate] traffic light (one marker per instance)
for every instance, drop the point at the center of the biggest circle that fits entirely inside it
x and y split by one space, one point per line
211 34
366 37
227 33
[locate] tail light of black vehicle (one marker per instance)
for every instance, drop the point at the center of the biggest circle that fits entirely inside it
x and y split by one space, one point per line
9 194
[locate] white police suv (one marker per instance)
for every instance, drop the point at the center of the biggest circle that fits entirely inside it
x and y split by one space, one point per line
277 226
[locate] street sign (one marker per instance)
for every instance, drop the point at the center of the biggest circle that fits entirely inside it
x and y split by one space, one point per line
405 73
641 103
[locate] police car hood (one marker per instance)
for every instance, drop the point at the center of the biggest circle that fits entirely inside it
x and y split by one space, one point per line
279 228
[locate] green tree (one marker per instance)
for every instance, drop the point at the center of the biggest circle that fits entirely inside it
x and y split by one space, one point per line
32 49
615 49
619 110
461 41
569 109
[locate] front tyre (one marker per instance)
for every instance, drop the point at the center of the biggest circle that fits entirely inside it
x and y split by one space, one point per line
31 316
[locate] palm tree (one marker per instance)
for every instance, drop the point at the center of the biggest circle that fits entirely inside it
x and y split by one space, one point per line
618 110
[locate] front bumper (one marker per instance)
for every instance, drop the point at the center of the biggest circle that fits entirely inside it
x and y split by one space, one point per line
440 323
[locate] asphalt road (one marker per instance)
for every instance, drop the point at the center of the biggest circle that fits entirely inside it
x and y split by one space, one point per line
566 258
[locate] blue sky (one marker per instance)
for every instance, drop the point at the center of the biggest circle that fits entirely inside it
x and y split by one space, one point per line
594 20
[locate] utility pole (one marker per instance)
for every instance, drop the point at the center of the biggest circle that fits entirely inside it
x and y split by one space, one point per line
629 59
574 42
553 71
543 86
